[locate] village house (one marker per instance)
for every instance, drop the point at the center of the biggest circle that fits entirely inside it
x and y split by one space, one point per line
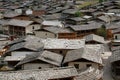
49 23
55 32
17 52
69 13
83 58
86 29
20 27
94 39
111 29
116 34
75 21
114 60
40 60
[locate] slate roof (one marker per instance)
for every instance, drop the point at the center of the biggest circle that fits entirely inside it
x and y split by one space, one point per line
4 22
77 19
93 37
34 46
83 53
99 48
108 18
92 25
47 74
91 74
52 16
104 18
113 25
58 30
63 43
114 11
11 14
46 56
21 23
115 48
52 23
70 11
24 39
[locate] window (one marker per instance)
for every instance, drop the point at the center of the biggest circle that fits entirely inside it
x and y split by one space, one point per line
33 27
39 68
2 61
76 66
88 65
61 52
115 37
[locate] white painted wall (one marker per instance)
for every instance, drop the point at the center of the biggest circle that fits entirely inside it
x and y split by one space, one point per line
44 34
30 28
82 65
116 36
17 53
1 16
29 66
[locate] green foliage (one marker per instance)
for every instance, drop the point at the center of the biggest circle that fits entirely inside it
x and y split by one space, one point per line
78 14
102 31
100 1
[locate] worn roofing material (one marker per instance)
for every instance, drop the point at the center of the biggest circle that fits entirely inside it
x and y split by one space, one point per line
108 18
21 23
11 14
113 25
93 37
70 11
63 43
115 48
55 73
104 18
91 74
99 48
114 11
77 19
58 30
34 46
23 39
4 22
53 16
17 56
46 56
52 23
90 26
115 56
83 53
13 58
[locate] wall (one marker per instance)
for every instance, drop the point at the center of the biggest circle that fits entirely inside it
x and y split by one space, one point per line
82 65
22 17
32 27
36 66
67 35
44 34
116 36
38 12
14 30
